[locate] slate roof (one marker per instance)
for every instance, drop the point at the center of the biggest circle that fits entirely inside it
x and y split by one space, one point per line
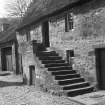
8 35
41 8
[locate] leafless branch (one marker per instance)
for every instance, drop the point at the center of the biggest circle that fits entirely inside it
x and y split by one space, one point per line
17 8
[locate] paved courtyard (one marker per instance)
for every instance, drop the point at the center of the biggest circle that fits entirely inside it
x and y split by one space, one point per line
12 92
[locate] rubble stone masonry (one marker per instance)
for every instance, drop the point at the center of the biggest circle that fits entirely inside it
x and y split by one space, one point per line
88 34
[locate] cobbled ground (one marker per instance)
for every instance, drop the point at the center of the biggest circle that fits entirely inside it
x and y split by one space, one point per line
13 92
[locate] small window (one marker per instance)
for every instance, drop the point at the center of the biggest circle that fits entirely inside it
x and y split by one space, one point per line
68 22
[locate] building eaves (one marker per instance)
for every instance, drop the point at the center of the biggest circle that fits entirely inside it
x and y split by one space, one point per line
42 9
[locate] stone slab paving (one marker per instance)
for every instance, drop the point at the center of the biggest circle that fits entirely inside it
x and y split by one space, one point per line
26 95
94 98
12 93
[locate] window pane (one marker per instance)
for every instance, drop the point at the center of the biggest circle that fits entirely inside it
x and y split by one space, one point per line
68 22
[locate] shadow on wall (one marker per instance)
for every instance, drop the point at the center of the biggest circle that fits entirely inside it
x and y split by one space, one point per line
5 74
5 84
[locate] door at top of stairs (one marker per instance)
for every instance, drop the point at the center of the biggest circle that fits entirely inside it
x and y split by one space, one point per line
45 34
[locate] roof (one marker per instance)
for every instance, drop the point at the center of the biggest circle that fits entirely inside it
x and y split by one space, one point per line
9 34
8 20
41 8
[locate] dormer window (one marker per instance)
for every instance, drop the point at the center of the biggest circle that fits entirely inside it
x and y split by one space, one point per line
68 22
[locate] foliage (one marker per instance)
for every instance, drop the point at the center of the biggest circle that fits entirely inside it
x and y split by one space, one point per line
17 8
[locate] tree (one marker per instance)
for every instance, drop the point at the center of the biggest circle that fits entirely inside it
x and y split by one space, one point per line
17 8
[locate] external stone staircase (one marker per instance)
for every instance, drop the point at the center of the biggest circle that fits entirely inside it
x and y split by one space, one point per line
66 77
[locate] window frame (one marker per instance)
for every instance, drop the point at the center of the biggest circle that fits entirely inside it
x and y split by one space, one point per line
69 23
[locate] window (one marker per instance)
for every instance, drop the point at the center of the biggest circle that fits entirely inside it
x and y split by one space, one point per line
68 22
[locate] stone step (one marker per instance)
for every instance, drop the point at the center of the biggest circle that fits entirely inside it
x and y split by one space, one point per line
70 81
76 85
52 61
38 47
56 64
63 72
60 68
50 58
46 52
67 76
79 91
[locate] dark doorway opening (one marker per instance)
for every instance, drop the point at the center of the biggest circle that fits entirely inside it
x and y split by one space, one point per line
20 65
32 74
100 67
6 59
45 34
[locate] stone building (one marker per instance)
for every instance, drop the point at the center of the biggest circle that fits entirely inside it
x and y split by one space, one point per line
9 57
59 26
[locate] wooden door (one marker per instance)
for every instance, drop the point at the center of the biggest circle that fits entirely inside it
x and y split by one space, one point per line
6 59
45 34
3 60
100 68
9 62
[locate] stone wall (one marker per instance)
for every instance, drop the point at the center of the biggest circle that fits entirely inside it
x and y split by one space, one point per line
14 58
27 60
43 79
26 49
88 32
36 33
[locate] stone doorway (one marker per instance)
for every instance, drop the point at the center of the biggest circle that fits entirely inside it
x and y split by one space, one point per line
45 34
32 74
